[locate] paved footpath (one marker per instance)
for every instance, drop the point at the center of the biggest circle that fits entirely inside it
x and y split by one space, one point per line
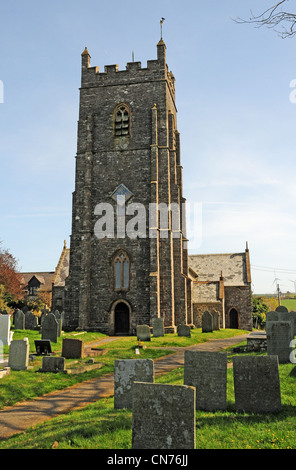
18 418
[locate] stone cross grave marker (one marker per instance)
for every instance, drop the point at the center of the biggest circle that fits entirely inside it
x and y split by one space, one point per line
256 384
163 416
207 372
126 372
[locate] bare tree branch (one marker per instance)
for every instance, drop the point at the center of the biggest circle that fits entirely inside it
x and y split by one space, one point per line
273 17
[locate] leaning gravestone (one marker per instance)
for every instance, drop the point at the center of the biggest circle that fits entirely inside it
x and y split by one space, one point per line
19 320
72 348
207 372
126 372
163 416
50 328
279 337
184 330
19 354
143 333
31 321
207 322
158 327
256 384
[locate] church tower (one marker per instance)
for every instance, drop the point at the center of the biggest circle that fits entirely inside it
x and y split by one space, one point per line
128 252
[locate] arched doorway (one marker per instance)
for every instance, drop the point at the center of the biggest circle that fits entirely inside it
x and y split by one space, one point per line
121 319
233 318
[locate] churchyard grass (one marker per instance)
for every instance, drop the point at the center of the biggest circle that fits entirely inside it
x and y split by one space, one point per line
100 426
23 385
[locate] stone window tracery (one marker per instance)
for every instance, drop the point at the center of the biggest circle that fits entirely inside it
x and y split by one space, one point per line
121 271
122 121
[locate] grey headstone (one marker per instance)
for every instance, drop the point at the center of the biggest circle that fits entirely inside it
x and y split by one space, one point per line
72 348
126 372
158 327
288 316
184 330
19 354
50 328
279 337
53 364
207 372
216 320
31 321
272 316
207 322
19 320
163 416
143 333
257 384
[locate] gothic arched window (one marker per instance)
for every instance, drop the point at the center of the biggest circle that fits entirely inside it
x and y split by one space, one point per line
122 120
121 271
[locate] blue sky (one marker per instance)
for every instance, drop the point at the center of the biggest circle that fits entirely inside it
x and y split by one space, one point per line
235 117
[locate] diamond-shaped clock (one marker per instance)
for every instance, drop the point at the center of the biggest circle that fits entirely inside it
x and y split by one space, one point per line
121 194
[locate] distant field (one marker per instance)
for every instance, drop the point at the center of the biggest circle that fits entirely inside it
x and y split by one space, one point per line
289 303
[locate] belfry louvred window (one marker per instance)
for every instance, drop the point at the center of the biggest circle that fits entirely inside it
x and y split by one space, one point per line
121 271
122 121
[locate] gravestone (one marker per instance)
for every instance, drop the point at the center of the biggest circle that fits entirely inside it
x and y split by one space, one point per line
163 416
59 320
25 309
184 330
50 328
72 348
279 337
19 354
143 333
207 322
19 320
5 335
53 364
31 321
42 346
216 320
158 327
272 316
281 308
256 384
126 372
207 372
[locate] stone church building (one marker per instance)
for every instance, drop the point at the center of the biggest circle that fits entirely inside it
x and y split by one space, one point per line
128 263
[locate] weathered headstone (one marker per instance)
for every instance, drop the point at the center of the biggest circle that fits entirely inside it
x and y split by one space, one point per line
279 337
31 321
126 372
207 372
207 322
50 328
59 320
19 354
19 320
158 327
72 348
281 308
5 335
184 330
53 364
288 316
256 384
272 316
163 416
216 320
143 333
43 346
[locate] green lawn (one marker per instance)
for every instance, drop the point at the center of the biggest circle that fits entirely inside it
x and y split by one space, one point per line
289 303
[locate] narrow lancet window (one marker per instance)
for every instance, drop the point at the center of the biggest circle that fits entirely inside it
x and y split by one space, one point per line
121 269
122 121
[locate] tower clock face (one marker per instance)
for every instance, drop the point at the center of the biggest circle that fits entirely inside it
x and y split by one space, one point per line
121 194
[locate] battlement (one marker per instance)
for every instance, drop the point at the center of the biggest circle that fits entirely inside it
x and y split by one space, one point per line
156 69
